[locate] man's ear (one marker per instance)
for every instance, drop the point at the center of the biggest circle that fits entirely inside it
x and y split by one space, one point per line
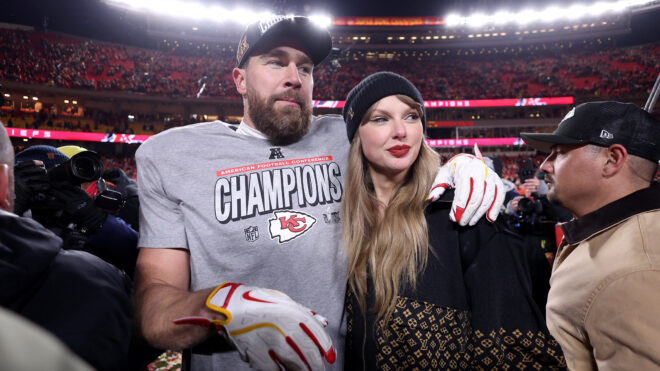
5 203
239 79
616 158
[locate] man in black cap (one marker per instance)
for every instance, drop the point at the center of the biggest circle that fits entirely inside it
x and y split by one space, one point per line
604 300
258 205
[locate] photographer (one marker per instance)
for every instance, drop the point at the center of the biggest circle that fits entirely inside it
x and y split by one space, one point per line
79 298
533 206
50 189
117 180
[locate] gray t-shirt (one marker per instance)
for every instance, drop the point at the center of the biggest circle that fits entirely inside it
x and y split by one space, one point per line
250 212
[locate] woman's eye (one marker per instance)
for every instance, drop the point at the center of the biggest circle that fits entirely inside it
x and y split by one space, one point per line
378 119
412 116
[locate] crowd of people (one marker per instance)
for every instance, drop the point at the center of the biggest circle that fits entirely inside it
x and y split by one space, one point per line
57 60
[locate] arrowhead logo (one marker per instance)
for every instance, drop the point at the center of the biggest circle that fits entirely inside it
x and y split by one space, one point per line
287 225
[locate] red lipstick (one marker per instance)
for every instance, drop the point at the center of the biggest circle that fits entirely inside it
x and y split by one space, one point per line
399 151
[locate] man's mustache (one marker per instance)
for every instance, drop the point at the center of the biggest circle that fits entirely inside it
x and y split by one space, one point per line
290 95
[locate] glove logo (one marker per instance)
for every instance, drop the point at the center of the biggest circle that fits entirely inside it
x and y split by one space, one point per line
287 225
247 296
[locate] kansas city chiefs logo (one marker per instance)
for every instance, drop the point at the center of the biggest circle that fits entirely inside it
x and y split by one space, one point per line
287 225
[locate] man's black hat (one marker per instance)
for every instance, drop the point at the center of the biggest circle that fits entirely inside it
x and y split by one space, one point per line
315 39
604 124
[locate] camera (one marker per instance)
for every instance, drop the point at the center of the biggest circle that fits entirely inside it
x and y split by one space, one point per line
530 216
526 170
83 167
530 206
107 199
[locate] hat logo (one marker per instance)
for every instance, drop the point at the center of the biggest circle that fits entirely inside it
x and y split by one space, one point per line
265 24
242 48
606 134
351 113
570 114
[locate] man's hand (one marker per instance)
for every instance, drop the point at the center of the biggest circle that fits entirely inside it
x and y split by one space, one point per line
531 185
268 328
76 207
30 178
514 203
479 190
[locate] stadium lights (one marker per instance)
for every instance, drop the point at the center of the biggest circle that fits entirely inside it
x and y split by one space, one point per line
321 20
549 14
197 11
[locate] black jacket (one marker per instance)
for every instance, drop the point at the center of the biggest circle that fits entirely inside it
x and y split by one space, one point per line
474 307
81 299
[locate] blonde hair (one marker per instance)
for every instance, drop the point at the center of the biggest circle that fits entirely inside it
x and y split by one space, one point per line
394 251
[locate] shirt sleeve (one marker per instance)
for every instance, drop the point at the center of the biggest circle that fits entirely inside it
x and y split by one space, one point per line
623 322
161 220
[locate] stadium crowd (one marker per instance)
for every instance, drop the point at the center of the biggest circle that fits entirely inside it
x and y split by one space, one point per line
64 61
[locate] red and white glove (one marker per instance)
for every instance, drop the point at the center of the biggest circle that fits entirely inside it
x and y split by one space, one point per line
268 328
479 190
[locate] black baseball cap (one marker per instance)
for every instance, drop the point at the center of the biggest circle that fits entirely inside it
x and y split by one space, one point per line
315 39
603 124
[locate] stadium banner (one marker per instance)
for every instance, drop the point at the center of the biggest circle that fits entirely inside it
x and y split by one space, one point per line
448 124
482 142
76 135
136 139
388 21
471 103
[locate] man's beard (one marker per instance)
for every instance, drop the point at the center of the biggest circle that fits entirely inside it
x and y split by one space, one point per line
552 193
284 126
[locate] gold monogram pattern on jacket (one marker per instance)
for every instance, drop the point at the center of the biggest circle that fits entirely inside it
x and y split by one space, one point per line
424 336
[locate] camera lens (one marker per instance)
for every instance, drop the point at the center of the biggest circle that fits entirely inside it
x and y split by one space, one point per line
84 168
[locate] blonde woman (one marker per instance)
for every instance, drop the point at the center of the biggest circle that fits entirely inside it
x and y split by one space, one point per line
424 293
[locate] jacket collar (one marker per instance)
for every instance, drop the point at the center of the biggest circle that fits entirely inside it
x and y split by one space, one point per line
646 199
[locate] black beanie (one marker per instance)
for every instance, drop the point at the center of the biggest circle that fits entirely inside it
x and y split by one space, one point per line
372 89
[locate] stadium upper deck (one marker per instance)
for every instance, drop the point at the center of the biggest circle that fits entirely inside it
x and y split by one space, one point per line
184 67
